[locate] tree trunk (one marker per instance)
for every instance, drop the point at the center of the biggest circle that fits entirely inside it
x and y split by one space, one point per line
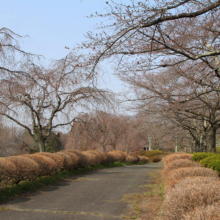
213 140
113 146
41 144
104 148
197 146
127 151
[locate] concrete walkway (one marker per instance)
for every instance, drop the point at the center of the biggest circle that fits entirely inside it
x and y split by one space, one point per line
93 196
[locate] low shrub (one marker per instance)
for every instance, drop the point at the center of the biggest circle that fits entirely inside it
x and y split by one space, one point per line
176 175
100 156
210 212
218 150
56 158
156 159
143 159
76 161
7 170
30 166
83 160
175 164
115 156
91 159
67 160
110 158
201 156
132 159
212 162
171 157
47 166
189 194
152 153
123 155
26 168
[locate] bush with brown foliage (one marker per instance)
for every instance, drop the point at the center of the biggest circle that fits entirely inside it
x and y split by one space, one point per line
156 159
91 159
110 158
69 162
176 175
210 212
26 168
7 170
114 156
190 193
100 156
171 157
47 166
175 164
132 159
143 159
30 166
76 161
56 158
123 155
82 159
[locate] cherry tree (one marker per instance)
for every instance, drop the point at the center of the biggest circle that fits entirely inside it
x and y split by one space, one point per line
43 99
144 36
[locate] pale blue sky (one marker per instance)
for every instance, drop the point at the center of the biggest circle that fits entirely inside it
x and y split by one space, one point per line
52 25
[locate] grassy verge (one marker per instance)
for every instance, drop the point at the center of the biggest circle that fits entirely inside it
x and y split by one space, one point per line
11 191
147 205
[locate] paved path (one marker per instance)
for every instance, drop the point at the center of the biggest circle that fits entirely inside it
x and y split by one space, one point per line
94 196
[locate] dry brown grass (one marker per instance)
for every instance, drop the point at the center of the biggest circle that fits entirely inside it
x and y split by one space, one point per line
47 166
210 212
26 168
175 164
56 158
171 157
190 193
7 170
176 175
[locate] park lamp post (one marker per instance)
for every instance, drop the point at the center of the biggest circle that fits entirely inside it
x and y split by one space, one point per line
176 145
149 143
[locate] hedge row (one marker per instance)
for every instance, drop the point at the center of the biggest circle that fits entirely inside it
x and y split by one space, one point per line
31 166
209 160
192 191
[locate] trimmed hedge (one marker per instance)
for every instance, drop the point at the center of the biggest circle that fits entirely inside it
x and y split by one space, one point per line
26 168
191 190
177 156
201 156
212 162
209 160
152 153
32 166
